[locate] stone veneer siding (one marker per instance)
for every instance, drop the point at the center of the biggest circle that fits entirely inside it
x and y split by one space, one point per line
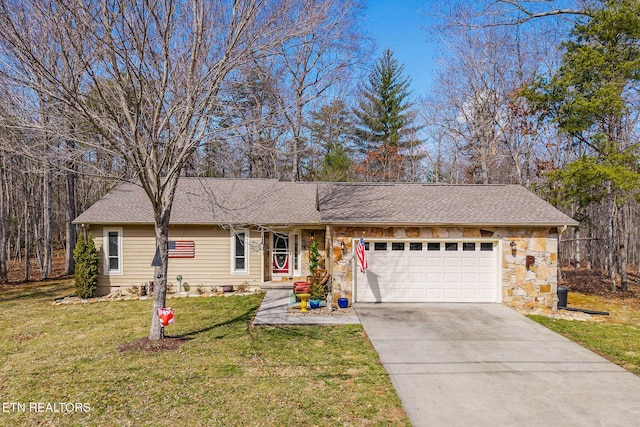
521 287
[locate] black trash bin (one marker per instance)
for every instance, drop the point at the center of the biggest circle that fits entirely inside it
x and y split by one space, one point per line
562 296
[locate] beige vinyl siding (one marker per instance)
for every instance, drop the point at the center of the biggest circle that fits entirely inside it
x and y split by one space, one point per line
210 267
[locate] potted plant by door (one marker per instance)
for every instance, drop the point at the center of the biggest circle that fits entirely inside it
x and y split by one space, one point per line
317 291
314 258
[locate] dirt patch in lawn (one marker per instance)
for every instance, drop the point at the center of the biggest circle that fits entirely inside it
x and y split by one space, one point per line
149 346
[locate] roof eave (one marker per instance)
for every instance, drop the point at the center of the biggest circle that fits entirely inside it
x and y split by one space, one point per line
262 224
448 224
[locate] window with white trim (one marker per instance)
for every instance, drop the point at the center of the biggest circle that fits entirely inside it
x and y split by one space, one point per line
112 247
239 252
296 255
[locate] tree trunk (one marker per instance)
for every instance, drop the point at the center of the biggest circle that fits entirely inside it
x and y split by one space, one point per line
160 277
295 161
71 233
47 221
577 258
622 236
610 242
4 277
26 230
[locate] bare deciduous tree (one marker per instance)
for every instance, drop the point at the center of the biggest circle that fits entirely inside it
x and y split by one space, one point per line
145 75
313 62
475 103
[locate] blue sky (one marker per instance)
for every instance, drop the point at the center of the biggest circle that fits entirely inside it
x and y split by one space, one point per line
398 24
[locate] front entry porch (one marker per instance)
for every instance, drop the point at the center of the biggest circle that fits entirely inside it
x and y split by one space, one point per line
286 256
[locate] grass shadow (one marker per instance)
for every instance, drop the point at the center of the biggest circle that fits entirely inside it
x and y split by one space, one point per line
35 291
245 317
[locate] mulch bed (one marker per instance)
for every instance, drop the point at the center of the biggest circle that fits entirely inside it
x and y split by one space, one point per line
148 346
322 311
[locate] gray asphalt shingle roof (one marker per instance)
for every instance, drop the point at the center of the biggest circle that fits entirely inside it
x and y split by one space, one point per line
270 202
438 204
211 201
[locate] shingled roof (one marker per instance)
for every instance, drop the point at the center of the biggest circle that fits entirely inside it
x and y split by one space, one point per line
212 201
271 202
437 204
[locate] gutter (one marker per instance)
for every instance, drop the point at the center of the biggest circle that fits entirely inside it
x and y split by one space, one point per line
564 226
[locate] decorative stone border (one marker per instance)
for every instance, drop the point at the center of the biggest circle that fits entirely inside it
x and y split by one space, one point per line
114 297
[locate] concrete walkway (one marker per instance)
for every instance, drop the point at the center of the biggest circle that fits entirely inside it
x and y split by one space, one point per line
486 365
274 311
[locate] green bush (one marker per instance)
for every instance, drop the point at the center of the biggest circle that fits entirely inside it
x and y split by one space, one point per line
316 289
314 258
86 258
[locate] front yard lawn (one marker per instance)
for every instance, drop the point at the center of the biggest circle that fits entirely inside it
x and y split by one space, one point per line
65 358
615 337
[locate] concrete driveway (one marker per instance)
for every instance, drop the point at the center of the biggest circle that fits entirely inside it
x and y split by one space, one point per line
486 365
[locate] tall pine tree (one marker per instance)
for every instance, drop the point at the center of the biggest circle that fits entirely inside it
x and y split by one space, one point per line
332 129
384 121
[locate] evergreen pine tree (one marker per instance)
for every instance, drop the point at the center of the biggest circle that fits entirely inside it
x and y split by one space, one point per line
332 128
385 120
86 274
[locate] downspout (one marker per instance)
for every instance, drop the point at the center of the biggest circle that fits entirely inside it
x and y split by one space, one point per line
262 257
328 249
554 303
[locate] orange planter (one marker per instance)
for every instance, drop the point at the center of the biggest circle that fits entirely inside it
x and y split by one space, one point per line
301 287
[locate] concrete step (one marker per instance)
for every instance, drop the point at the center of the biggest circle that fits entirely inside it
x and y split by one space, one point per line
277 285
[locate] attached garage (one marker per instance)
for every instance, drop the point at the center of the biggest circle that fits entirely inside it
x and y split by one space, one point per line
443 243
429 271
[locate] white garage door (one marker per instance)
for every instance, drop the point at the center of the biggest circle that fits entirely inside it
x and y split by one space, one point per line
437 271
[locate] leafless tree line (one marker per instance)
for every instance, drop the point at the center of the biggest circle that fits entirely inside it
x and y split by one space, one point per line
94 92
479 130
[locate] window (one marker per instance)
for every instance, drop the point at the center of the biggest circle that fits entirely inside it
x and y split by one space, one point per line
468 246
366 246
451 246
486 246
240 252
397 246
112 248
296 257
380 246
433 246
415 246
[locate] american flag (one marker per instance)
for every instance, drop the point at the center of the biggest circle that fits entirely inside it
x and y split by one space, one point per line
182 249
361 256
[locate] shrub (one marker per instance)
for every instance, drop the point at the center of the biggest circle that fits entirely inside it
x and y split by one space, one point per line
316 289
86 274
314 258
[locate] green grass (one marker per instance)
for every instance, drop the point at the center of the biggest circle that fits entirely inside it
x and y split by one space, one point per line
615 337
227 373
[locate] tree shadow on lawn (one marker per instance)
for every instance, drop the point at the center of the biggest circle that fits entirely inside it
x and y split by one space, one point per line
173 342
34 291
245 317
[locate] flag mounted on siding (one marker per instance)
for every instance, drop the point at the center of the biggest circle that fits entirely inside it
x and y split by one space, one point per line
362 258
182 249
